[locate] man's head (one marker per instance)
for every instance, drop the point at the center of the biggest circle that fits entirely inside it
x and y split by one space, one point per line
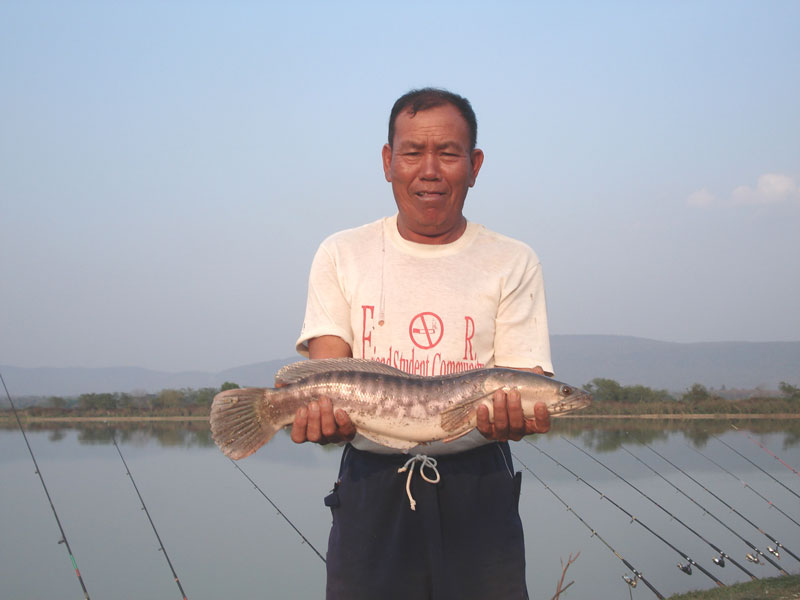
425 98
431 162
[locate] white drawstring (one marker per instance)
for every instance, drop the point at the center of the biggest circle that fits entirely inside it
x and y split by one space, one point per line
426 461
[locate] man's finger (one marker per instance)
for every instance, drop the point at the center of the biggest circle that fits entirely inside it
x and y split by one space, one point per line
541 419
483 421
346 428
516 419
314 429
299 425
500 415
327 422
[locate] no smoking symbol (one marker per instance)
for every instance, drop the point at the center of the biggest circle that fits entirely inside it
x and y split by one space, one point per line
426 330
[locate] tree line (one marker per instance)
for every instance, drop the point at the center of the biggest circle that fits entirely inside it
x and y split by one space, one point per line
610 398
167 402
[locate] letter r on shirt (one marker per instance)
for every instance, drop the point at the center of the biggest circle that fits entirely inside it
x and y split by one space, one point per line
469 333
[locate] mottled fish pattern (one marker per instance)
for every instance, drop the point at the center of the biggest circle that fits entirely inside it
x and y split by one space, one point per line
386 405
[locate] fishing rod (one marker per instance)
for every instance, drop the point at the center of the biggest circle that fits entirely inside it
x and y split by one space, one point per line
637 575
749 544
731 508
767 473
280 512
687 568
745 484
63 539
149 518
768 451
770 537
718 560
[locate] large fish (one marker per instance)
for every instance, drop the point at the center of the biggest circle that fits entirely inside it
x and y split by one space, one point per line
386 405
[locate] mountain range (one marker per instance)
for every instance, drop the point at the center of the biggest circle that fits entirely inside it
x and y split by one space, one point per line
577 359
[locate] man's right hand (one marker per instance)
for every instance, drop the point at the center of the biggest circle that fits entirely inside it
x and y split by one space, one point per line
319 423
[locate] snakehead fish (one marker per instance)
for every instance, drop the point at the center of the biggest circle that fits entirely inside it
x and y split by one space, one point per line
386 405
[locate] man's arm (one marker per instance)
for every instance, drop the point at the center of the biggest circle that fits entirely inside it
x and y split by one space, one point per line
318 422
509 421
328 346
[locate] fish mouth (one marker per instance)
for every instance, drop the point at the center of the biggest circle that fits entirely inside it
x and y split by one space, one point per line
576 402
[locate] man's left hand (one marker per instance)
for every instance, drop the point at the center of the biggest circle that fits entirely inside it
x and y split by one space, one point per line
509 421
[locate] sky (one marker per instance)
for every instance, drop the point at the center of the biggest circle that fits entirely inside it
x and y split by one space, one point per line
168 169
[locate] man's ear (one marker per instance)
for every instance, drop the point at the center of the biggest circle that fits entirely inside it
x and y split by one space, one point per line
477 160
386 155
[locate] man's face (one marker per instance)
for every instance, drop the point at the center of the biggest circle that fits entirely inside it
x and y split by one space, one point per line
431 168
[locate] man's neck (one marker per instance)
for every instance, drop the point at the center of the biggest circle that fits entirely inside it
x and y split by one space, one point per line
435 238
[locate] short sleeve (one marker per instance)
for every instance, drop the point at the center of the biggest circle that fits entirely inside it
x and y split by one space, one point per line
327 308
522 337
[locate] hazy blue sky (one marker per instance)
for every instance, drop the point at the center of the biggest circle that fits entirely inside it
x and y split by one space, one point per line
167 169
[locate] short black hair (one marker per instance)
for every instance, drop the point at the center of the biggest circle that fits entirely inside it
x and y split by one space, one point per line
425 98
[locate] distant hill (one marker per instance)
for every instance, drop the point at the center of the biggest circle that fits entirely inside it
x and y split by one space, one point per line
577 359
72 381
673 366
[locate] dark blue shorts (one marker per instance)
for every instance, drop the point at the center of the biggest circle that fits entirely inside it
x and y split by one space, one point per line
464 540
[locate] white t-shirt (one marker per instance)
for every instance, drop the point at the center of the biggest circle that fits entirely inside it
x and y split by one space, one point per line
429 309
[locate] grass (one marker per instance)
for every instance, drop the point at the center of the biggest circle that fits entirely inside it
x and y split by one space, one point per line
776 588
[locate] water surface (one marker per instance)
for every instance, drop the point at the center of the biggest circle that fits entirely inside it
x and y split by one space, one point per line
225 539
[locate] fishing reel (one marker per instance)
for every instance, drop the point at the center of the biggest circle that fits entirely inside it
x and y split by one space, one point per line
753 559
631 581
687 568
719 560
772 550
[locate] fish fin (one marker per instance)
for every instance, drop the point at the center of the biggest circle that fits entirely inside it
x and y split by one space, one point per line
459 415
237 424
391 442
300 370
452 438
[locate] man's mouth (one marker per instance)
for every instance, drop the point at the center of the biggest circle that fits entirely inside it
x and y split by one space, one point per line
429 195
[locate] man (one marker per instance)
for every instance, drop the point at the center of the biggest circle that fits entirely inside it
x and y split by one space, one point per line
430 293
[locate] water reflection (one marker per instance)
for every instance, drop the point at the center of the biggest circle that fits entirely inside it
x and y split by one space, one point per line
221 532
607 435
184 434
602 435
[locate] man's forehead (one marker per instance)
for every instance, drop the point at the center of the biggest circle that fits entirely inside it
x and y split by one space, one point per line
438 141
441 121
443 112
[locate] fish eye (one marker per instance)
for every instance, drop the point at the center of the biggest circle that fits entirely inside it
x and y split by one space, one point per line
566 390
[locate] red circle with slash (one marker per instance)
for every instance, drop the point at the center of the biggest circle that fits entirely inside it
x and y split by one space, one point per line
426 330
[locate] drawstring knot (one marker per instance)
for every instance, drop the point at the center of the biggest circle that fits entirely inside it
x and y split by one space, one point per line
425 461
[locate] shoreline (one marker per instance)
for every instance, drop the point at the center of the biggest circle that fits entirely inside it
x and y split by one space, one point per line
25 419
690 416
644 417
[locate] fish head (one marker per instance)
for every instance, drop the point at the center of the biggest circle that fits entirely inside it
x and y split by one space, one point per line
560 398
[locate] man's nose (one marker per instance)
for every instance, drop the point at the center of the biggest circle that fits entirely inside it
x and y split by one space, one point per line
430 166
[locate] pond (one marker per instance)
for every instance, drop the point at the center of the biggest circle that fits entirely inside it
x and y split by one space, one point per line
225 539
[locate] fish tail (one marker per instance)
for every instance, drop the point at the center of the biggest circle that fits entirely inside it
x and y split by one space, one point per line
239 423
